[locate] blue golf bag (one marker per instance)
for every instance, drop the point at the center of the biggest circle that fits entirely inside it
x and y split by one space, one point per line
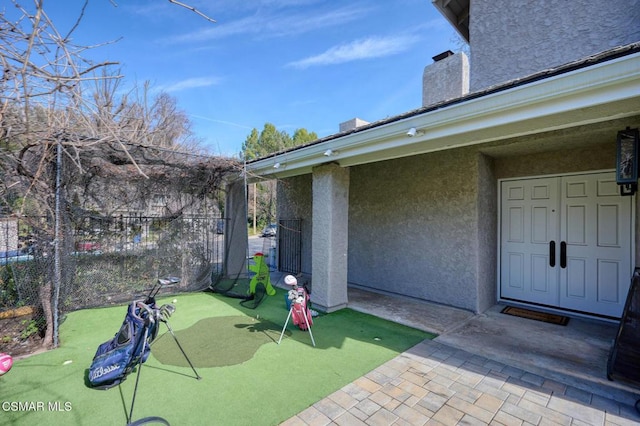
116 358
131 346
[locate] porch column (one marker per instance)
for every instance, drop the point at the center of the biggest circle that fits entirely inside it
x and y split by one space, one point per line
329 237
235 230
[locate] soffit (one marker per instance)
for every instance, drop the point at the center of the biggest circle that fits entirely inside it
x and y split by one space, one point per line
584 136
457 13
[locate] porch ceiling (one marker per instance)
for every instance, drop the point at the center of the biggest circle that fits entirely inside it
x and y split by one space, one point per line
564 139
600 98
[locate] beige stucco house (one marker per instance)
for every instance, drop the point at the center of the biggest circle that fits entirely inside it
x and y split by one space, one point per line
501 187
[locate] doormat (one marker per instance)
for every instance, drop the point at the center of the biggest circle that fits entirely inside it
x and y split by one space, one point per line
535 315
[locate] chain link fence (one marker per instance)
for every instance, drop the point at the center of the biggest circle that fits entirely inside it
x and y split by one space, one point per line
102 261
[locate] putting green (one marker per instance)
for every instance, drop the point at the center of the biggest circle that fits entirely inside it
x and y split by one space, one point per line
216 341
247 378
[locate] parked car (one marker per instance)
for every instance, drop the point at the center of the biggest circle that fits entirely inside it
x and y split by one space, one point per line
87 246
270 230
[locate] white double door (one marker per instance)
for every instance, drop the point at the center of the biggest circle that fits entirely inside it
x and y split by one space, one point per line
566 242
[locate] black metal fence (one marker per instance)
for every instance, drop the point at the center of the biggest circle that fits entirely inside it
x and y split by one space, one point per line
106 260
290 245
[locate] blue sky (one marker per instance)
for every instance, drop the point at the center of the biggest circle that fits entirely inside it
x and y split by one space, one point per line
293 63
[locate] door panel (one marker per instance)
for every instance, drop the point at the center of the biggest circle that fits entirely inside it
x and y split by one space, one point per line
609 272
608 225
597 229
529 219
515 221
576 225
540 283
513 272
588 221
575 278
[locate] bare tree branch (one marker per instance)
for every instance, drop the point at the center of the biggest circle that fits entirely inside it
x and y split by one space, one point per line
193 9
119 151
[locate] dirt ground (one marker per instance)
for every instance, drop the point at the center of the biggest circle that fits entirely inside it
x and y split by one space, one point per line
12 341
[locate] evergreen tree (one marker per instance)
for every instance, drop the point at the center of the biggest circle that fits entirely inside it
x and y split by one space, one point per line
261 144
270 140
302 137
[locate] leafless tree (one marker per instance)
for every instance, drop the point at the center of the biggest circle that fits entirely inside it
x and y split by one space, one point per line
58 108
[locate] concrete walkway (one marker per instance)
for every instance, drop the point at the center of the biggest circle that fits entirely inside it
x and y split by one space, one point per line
482 369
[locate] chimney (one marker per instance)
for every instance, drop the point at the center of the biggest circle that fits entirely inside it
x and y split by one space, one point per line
447 78
352 124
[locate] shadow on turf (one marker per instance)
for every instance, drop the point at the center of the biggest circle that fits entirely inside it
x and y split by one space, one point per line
217 341
330 330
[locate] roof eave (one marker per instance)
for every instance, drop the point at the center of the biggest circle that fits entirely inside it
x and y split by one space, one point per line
559 101
457 16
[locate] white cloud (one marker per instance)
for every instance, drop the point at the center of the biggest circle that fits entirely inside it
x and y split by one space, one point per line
229 123
372 47
190 83
273 25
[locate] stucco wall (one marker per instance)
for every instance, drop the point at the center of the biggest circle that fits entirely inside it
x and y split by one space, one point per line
487 241
426 226
330 236
413 227
537 35
445 79
593 157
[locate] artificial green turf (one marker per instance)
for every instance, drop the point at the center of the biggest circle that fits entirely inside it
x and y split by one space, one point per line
216 342
247 378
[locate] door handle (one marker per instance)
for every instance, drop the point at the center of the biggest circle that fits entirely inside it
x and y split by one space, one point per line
552 253
563 254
